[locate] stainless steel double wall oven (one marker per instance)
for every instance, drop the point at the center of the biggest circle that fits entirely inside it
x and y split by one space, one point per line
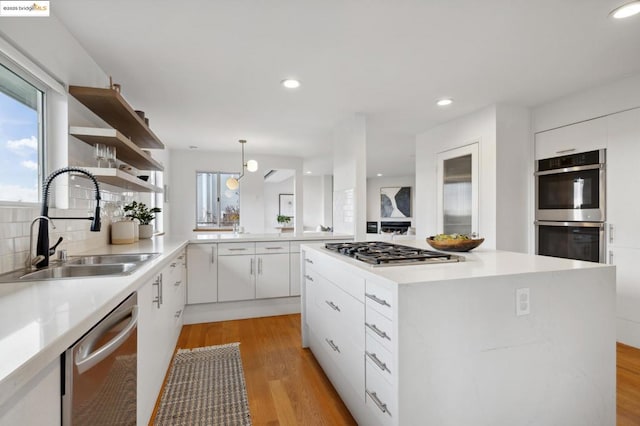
571 206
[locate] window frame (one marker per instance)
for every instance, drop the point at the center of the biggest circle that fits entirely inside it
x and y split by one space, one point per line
43 90
220 186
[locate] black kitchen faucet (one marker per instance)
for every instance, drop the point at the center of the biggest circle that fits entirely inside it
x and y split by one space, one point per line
43 248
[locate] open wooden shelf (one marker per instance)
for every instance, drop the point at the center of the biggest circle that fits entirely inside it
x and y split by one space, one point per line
112 108
126 150
121 179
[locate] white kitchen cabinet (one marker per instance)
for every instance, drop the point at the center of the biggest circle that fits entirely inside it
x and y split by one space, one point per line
202 273
623 179
236 277
160 307
38 402
272 278
580 137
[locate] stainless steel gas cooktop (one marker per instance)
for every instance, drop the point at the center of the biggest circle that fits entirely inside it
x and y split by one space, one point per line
379 253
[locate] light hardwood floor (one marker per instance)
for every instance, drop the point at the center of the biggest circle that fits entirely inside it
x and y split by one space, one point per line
286 386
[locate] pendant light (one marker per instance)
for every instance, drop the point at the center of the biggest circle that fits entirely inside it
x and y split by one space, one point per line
251 165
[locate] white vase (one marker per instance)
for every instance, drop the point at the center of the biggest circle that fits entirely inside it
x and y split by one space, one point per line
145 231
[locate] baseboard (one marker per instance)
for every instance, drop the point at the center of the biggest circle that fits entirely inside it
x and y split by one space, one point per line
224 311
628 332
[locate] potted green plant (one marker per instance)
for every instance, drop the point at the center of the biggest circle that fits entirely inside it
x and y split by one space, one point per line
144 215
284 220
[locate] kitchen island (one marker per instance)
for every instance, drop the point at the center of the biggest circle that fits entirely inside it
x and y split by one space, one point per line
499 339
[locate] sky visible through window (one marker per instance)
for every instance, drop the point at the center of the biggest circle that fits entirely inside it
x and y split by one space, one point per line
18 151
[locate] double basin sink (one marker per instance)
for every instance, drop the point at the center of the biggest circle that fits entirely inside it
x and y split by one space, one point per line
84 267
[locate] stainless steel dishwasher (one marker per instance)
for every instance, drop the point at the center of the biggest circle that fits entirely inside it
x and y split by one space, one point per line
100 371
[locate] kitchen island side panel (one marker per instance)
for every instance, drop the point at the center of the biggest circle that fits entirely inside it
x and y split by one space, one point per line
464 357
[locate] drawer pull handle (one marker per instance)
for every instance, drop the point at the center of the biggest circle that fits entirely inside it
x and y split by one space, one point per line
274 248
237 249
377 299
173 265
381 365
178 313
308 260
177 284
333 345
309 277
181 257
378 331
564 151
382 406
332 305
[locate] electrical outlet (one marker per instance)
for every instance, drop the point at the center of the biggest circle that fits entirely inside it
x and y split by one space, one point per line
523 302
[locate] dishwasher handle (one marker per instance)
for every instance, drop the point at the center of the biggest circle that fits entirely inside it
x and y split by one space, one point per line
86 359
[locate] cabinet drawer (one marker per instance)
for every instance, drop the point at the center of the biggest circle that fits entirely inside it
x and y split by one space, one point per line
379 297
380 397
580 137
334 271
229 249
341 310
379 358
272 247
380 328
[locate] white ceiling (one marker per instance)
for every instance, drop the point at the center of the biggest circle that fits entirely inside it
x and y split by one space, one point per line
208 73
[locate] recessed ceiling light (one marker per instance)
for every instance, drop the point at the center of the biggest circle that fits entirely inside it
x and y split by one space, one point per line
379 174
308 172
444 101
626 10
290 83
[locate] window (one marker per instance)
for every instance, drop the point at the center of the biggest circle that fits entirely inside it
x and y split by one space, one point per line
21 140
216 205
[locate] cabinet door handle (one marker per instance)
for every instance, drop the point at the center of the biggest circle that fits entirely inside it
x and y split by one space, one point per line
259 266
237 249
610 233
377 299
381 365
333 345
178 313
156 299
251 266
308 277
382 406
610 257
564 151
376 330
177 283
173 265
274 248
213 255
308 260
332 305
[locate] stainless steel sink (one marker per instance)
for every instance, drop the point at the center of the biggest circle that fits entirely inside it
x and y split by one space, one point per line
110 259
78 271
83 266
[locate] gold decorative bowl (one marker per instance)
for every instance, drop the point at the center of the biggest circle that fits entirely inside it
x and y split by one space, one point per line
454 245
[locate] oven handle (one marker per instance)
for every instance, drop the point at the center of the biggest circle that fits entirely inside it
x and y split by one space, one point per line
569 169
86 360
572 224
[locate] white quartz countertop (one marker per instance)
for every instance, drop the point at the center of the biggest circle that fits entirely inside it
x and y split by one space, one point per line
478 263
221 237
40 319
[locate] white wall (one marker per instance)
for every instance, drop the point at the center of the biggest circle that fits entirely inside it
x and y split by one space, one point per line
272 193
504 139
373 196
350 176
182 187
318 201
